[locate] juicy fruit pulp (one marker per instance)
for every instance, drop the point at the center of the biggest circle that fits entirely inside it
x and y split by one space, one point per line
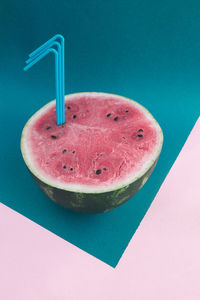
99 158
103 140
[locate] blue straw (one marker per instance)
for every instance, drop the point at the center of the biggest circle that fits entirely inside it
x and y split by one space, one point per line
46 45
39 56
41 52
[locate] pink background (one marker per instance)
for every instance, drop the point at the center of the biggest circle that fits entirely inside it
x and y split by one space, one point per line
162 260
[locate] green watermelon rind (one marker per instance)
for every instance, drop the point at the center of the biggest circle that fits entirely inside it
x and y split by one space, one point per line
100 200
92 203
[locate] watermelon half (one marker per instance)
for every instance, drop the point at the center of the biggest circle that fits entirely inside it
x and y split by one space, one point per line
99 158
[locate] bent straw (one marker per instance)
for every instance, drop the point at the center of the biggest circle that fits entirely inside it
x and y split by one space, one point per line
38 54
60 79
46 45
56 76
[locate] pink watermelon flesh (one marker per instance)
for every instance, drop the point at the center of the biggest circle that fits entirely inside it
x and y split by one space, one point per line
104 140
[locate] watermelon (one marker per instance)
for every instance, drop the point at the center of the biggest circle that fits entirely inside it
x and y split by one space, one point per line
102 155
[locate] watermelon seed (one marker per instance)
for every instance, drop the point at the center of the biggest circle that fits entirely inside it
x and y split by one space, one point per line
68 107
53 137
104 169
140 130
64 167
116 119
140 135
108 115
73 152
71 169
126 111
48 127
64 150
101 154
74 116
98 171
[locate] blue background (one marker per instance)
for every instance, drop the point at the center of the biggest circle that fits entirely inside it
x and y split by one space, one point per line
146 50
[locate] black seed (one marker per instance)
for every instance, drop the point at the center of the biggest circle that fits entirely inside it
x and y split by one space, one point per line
126 110
74 116
63 125
116 119
53 137
64 150
68 107
73 152
64 167
48 127
104 169
101 154
108 115
71 169
140 135
140 130
98 171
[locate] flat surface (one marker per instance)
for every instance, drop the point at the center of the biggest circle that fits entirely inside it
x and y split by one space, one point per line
160 262
148 51
110 140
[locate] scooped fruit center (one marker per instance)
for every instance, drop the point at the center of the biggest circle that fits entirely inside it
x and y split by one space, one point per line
103 140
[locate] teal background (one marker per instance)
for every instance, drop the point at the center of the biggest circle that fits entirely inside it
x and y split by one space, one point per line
146 50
